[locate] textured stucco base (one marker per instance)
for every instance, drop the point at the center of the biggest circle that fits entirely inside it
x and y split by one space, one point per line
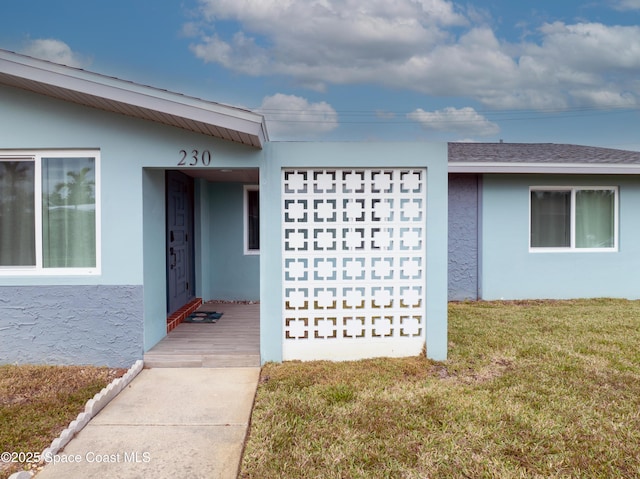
66 325
463 237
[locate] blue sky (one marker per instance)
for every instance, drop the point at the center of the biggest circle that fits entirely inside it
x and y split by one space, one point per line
381 70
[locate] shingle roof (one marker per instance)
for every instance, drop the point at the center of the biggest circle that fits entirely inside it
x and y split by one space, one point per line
541 153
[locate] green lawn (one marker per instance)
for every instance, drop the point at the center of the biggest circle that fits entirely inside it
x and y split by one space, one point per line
544 389
38 402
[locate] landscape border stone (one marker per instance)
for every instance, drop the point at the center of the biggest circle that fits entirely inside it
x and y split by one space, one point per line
93 407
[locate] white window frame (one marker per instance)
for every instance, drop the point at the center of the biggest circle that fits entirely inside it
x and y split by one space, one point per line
572 248
245 218
36 157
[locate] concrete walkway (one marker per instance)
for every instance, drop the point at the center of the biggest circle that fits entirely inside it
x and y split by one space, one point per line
168 423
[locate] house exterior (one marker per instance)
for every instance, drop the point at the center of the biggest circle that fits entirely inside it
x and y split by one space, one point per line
549 221
121 204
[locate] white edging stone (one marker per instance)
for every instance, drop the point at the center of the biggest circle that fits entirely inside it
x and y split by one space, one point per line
93 407
21 475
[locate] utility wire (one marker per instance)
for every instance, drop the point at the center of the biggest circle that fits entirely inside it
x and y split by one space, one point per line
381 117
371 118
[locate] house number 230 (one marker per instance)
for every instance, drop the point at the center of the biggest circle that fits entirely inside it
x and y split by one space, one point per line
196 157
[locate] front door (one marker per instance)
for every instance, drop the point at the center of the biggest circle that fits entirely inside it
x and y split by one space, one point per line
180 251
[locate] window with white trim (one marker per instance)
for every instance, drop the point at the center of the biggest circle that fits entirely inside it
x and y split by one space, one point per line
574 218
49 212
251 219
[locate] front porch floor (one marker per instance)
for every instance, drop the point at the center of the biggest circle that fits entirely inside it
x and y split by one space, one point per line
233 341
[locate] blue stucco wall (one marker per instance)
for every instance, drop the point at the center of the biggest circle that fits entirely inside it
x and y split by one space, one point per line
233 275
510 271
154 257
134 154
127 146
463 237
345 155
68 325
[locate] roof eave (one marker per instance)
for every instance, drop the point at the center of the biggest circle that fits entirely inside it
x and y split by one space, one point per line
547 168
248 126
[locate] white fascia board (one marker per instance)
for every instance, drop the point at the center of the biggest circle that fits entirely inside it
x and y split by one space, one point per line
554 168
130 93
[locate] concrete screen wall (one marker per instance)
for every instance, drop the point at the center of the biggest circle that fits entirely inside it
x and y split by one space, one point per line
279 156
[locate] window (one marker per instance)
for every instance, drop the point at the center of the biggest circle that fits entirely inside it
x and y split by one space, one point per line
49 213
574 218
251 219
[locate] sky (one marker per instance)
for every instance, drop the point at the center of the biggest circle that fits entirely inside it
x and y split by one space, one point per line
559 71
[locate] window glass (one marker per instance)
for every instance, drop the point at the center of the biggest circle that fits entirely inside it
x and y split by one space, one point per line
574 218
68 213
49 212
550 219
595 210
253 219
17 213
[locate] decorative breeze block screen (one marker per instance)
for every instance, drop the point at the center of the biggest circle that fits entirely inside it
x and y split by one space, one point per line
353 262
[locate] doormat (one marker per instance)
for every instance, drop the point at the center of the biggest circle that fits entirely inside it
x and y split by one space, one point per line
203 317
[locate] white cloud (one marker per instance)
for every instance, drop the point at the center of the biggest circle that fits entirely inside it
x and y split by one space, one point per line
385 115
241 53
463 121
290 116
54 51
325 41
190 29
434 47
610 97
592 47
625 5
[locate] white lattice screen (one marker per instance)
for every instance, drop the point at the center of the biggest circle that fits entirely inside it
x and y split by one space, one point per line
353 262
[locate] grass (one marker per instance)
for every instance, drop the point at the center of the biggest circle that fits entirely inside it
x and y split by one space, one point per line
531 389
38 402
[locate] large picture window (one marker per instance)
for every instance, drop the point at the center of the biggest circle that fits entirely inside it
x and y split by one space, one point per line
574 218
49 213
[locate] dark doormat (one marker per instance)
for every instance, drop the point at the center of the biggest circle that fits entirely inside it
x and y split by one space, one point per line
203 317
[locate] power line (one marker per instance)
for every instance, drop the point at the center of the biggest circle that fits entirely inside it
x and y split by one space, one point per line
382 112
351 117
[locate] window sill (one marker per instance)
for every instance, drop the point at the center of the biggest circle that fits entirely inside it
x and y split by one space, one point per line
573 250
4 272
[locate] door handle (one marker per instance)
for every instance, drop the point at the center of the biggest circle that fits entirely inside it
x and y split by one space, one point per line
173 258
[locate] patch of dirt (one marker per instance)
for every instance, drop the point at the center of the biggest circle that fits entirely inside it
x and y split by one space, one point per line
496 368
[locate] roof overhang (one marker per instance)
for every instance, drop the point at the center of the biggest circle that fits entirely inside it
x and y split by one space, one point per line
131 99
546 168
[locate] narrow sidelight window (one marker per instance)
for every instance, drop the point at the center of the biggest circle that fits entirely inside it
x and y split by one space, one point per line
252 219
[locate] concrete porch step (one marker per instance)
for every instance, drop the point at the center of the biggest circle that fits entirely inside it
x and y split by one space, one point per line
155 360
